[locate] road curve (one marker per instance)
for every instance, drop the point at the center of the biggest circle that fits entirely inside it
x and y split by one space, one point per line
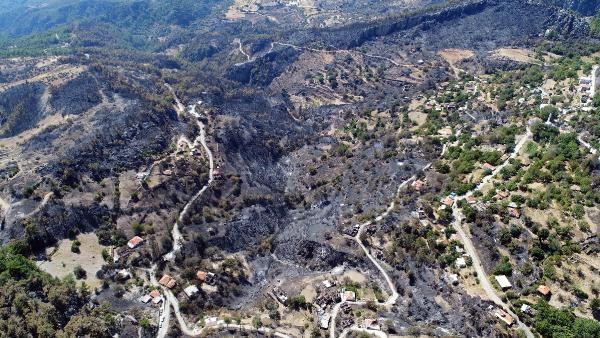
394 296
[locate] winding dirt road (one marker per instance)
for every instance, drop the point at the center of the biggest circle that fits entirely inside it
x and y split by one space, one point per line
170 299
392 286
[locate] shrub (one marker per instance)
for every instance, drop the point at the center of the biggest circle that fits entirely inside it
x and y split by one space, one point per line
79 272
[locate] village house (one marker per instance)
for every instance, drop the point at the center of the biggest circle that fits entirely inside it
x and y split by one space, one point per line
371 324
513 210
471 200
487 166
324 320
123 275
156 297
191 290
145 299
206 277
461 263
525 308
135 242
167 281
452 279
448 201
348 296
544 290
503 282
505 317
500 195
418 185
201 275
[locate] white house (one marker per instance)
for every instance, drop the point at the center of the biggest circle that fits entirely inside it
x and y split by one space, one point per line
503 282
191 290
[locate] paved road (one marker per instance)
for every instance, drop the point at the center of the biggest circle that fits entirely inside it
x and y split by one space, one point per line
470 248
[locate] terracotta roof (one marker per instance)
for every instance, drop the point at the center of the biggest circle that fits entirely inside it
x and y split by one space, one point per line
171 284
448 201
502 195
201 275
135 241
505 317
166 280
488 166
418 184
544 290
154 293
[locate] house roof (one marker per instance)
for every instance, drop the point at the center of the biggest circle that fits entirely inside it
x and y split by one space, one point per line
503 282
488 166
514 212
418 184
135 241
190 290
505 317
544 290
349 295
201 275
166 280
154 293
502 195
448 201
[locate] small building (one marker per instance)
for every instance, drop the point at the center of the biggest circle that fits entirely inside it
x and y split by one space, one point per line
448 201
418 185
324 320
525 308
145 299
191 290
544 290
487 166
154 293
167 281
505 317
500 195
471 200
348 296
452 279
371 324
123 274
326 283
201 275
461 263
514 212
503 282
135 242
156 297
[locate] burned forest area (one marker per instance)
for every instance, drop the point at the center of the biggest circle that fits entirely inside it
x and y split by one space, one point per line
307 168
